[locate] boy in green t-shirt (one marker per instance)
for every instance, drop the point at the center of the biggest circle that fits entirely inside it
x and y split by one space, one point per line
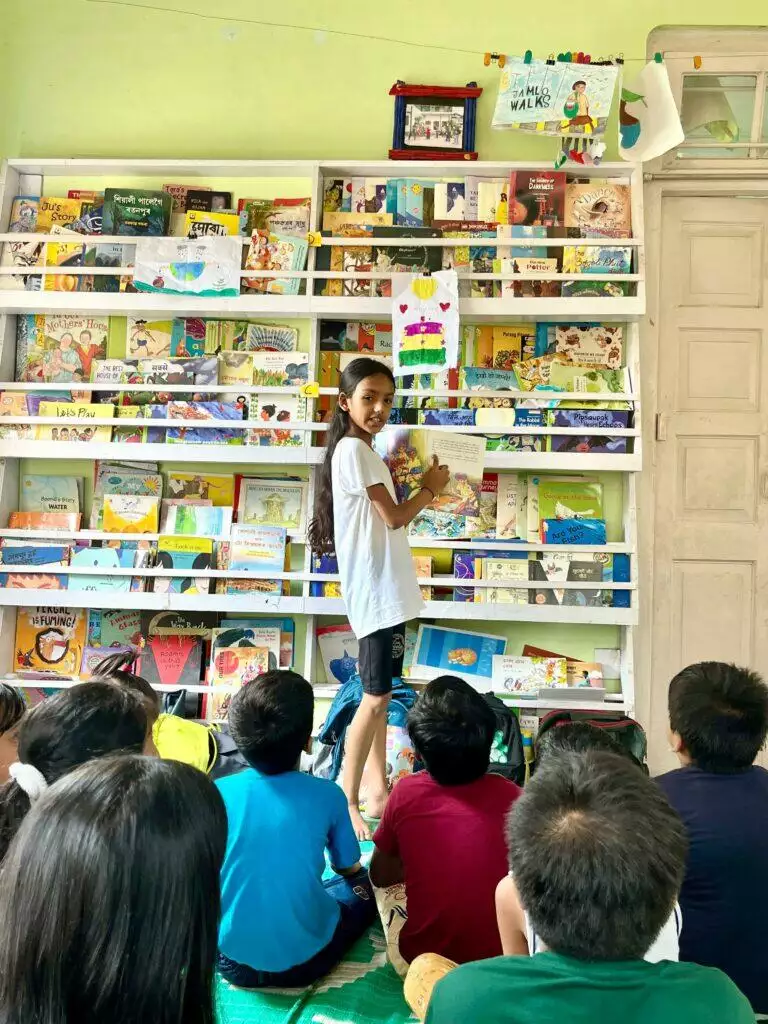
597 856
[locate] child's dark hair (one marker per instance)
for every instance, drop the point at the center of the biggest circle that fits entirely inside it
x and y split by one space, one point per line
270 720
12 707
720 712
320 533
111 669
452 728
578 738
109 898
66 730
598 856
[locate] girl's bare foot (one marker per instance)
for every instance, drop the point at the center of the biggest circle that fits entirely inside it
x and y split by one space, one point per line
375 804
362 831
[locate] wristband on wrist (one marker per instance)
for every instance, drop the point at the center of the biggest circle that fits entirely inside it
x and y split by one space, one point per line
430 491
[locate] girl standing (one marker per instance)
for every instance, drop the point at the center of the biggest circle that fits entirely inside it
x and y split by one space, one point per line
358 517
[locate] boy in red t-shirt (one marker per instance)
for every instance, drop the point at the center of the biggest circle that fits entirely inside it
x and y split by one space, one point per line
442 832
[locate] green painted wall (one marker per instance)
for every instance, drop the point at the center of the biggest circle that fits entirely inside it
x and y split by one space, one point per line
186 78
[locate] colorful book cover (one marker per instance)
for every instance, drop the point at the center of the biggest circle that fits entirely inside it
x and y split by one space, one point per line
565 376
257 548
565 499
507 507
590 346
49 494
589 418
598 210
524 677
50 555
508 346
206 200
375 191
422 565
172 661
528 288
287 633
184 518
573 531
23 216
114 627
338 224
275 216
42 520
127 478
235 371
458 652
198 224
465 455
339 653
279 503
190 337
14 403
50 641
57 211
275 252
403 259
449 200
537 198
280 369
219 490
597 259
60 254
326 565
242 634
136 212
333 189
231 669
274 410
179 192
185 553
93 657
75 432
264 338
197 411
71 344
22 255
147 339
492 200
127 513
483 526
571 567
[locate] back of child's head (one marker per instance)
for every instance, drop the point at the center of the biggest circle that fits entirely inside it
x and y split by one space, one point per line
12 708
109 898
67 729
720 713
576 738
270 720
111 669
452 728
598 856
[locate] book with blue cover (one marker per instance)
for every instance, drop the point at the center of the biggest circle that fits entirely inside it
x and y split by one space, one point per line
455 651
573 531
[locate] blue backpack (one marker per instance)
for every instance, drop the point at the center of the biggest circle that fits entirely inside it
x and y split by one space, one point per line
328 751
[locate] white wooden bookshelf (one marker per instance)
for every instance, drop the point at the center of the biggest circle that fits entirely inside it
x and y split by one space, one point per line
300 177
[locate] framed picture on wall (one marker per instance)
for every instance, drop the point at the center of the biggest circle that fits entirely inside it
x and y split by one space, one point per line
434 122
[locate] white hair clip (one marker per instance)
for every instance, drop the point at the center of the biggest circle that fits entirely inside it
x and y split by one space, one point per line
28 778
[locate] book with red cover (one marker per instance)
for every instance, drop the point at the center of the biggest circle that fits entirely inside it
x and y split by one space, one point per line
172 660
537 198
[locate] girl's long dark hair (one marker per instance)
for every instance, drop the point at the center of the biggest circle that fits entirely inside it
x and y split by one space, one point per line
12 707
109 898
66 730
320 533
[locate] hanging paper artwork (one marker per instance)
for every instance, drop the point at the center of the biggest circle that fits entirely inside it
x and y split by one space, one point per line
555 99
649 123
207 266
425 322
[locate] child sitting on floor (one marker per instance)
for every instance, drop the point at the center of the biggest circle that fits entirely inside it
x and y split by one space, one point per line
598 857
718 717
517 935
442 832
281 926
12 710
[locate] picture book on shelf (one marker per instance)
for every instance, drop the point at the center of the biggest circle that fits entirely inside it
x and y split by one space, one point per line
524 677
49 493
147 339
49 641
108 627
598 210
501 571
184 517
71 344
279 503
186 553
277 216
458 652
242 634
75 431
590 346
230 669
219 490
339 652
235 371
128 513
273 410
597 259
199 223
172 661
274 252
280 369
197 411
537 198
60 254
106 558
483 526
570 567
136 212
257 548
22 520
93 657
57 210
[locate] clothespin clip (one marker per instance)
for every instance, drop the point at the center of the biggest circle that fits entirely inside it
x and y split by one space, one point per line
697 62
314 239
587 58
620 58
487 58
579 58
551 59
658 58
494 58
426 273
310 390
527 57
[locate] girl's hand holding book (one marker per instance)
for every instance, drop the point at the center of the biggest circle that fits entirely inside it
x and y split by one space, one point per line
436 478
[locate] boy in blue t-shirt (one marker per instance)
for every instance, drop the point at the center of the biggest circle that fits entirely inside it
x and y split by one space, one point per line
281 925
718 717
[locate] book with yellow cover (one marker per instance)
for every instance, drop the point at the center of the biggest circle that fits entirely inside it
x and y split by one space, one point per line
201 223
75 431
130 513
50 640
219 490
422 564
235 371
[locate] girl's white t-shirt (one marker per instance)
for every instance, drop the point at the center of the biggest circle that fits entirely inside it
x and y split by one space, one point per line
378 580
666 946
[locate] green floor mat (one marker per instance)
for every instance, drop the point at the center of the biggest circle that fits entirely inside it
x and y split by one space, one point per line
362 989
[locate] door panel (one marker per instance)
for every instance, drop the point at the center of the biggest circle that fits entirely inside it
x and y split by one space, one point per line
710 599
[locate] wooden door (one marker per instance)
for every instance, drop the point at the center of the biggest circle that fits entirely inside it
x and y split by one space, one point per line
710 593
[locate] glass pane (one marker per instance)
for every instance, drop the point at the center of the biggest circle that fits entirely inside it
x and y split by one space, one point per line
717 109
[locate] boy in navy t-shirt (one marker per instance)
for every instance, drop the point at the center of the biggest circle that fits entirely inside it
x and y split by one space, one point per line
281 926
718 716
